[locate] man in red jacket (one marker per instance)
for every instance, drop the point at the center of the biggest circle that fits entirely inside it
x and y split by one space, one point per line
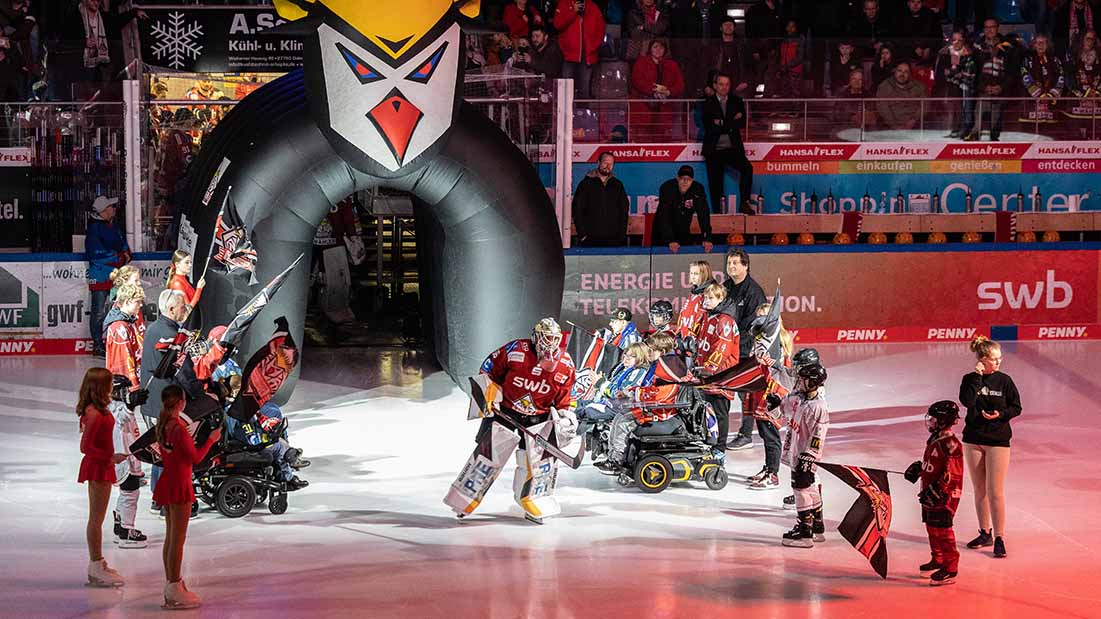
580 27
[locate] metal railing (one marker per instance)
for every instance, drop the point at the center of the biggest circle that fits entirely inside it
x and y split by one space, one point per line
842 120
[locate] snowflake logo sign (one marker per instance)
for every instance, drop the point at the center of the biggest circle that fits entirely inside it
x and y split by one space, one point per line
177 42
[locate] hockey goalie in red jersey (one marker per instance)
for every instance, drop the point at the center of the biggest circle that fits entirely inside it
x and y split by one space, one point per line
532 378
941 473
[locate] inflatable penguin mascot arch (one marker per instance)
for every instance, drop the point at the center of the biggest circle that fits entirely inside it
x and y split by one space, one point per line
378 102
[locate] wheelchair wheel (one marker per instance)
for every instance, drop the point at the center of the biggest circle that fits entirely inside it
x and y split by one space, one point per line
715 478
278 503
236 497
653 473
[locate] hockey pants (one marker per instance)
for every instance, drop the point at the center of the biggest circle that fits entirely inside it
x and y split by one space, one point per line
127 504
808 496
534 480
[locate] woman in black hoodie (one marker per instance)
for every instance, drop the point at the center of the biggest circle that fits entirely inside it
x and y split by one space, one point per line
992 401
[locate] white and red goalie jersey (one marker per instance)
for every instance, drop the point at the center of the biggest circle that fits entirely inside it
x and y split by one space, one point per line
530 385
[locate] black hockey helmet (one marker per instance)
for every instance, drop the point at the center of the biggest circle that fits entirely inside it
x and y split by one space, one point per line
120 385
811 377
805 356
941 415
662 310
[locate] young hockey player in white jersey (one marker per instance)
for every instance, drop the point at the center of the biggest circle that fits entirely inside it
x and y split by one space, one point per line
128 473
808 419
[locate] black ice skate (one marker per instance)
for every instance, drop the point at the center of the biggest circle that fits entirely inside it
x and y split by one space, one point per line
982 541
942 577
931 566
119 531
801 535
818 527
132 538
789 502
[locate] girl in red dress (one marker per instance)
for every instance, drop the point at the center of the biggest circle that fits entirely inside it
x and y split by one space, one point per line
178 275
97 425
175 491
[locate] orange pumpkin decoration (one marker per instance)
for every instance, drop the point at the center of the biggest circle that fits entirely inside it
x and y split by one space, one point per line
779 239
842 238
1051 236
1027 236
904 238
735 238
805 238
937 238
877 238
972 237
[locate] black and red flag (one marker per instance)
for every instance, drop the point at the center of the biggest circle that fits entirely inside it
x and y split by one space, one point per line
868 521
266 372
592 356
231 250
245 315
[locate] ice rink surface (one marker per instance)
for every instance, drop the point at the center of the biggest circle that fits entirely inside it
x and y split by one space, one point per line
370 536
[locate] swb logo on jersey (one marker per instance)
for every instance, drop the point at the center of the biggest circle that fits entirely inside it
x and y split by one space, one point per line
535 386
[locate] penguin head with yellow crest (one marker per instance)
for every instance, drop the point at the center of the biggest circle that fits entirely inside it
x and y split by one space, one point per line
382 76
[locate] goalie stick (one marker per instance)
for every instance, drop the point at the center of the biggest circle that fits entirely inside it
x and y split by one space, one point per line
571 461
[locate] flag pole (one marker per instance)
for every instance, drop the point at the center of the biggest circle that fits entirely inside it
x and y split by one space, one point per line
214 235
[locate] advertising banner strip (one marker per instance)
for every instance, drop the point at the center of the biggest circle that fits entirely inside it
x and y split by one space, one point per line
849 151
16 348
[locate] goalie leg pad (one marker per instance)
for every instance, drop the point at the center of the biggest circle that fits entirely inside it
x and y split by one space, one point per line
495 445
537 475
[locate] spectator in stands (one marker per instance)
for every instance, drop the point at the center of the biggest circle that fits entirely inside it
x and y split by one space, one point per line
870 29
854 89
546 58
847 115
921 66
918 22
884 66
993 77
899 114
726 54
723 119
21 30
679 199
839 68
520 17
1087 69
580 26
764 26
695 19
1070 23
959 70
600 207
656 76
81 53
786 78
1042 77
12 83
645 21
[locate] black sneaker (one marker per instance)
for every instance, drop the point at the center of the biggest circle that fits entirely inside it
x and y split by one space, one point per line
941 577
739 442
296 484
763 473
999 548
932 566
982 541
607 466
789 501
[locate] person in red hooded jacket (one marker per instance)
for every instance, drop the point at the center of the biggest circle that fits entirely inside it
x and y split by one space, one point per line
520 17
717 349
657 77
178 278
580 26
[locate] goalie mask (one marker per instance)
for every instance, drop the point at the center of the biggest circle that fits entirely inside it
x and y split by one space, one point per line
547 338
941 415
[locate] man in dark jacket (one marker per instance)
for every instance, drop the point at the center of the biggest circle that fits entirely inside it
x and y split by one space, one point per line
600 207
919 22
105 249
679 199
723 119
746 295
546 58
